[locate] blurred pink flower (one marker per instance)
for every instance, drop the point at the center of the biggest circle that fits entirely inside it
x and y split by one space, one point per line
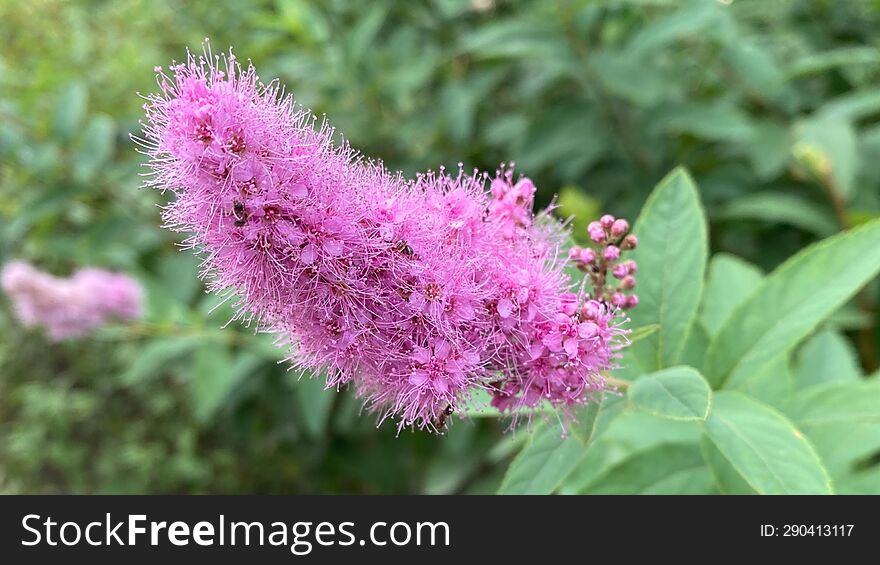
71 307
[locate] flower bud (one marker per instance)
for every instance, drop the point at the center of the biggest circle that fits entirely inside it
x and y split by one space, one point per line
591 310
630 242
606 221
596 231
620 270
612 253
587 255
628 282
619 228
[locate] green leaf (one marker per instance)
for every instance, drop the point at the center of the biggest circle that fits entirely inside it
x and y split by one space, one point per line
96 147
677 393
834 140
764 448
666 469
842 419
693 18
773 384
549 457
825 357
825 60
623 434
314 403
769 149
643 332
631 79
694 354
214 377
756 66
852 106
730 282
792 301
713 122
155 357
672 254
580 207
71 110
727 479
781 208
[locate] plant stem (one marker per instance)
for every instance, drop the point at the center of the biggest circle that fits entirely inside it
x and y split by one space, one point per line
619 384
865 336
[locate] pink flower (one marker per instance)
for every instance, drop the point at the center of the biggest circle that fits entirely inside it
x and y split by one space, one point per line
71 307
415 292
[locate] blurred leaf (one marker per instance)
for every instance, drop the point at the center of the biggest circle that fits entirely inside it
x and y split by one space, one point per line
755 66
713 122
835 141
629 78
71 109
314 403
729 283
643 332
367 29
667 469
842 419
214 376
155 357
783 208
765 449
566 140
852 106
515 38
549 457
96 147
180 275
825 357
792 301
576 204
769 148
672 255
693 18
677 393
815 63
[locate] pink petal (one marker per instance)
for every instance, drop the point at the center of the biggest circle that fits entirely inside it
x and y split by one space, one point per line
441 386
505 308
307 255
333 247
418 378
442 349
587 330
299 190
464 310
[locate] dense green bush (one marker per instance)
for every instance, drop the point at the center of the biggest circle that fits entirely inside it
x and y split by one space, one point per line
771 106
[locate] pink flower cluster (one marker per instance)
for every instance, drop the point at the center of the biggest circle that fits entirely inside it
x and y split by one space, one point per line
611 238
71 307
416 292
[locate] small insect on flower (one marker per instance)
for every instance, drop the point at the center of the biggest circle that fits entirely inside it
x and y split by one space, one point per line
404 248
476 291
238 211
441 420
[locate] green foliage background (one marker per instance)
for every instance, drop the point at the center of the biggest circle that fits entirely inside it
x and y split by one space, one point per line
772 106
